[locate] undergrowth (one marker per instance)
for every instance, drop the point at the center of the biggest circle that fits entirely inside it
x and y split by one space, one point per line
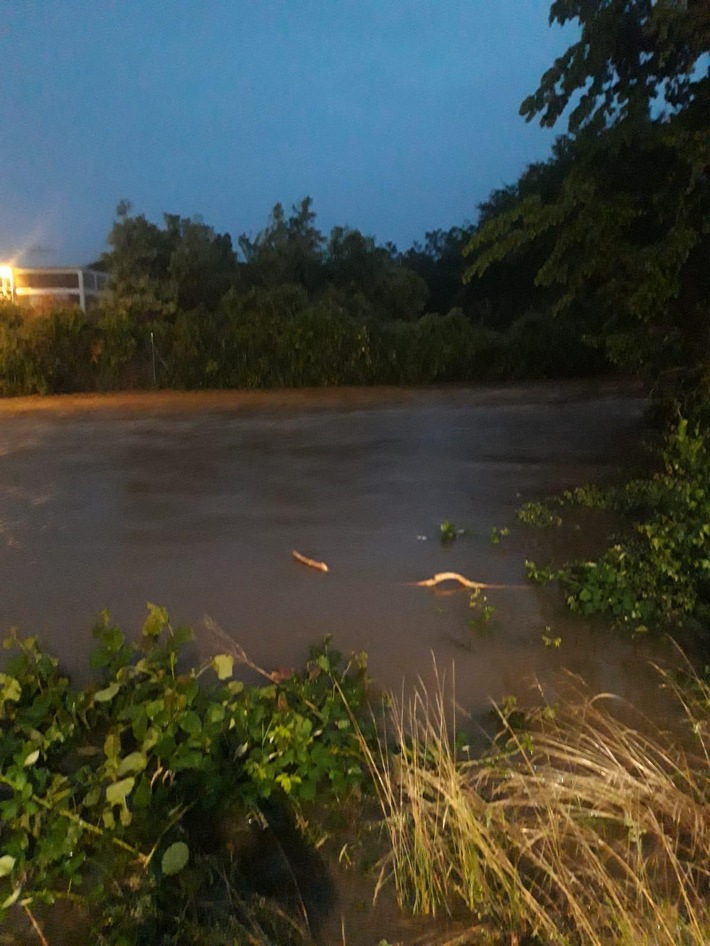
577 828
656 573
112 796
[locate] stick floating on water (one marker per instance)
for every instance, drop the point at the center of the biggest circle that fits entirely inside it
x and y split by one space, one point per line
311 562
454 576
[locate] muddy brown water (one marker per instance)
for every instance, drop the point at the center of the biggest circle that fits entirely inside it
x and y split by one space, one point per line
195 501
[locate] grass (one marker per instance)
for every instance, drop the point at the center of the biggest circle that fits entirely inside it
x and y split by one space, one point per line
578 828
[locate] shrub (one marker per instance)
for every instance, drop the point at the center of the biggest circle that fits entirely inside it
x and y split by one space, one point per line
657 573
107 793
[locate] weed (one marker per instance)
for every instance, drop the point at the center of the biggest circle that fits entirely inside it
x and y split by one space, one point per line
578 829
657 573
495 535
107 793
538 514
448 531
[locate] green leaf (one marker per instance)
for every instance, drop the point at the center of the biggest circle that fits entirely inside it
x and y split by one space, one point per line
223 666
154 708
11 689
182 635
6 864
215 713
134 762
117 793
12 899
190 723
156 621
31 758
112 746
103 696
175 858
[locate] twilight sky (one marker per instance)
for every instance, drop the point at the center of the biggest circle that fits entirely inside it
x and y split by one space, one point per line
396 116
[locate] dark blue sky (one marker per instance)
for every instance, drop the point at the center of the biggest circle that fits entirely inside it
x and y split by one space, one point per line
396 116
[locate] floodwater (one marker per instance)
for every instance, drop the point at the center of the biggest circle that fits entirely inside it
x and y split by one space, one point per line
196 501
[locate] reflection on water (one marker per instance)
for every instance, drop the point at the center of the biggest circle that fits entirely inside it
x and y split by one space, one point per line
196 501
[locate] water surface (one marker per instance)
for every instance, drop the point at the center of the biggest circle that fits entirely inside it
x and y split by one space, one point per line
196 501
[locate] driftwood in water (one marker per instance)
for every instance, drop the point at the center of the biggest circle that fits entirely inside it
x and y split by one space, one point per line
311 562
454 576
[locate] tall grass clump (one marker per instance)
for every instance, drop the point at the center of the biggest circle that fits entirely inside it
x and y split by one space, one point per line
577 828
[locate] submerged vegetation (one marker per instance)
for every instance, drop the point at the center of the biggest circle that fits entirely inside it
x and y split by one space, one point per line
655 574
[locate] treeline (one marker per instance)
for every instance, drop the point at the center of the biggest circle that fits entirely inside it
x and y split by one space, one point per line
596 257
291 307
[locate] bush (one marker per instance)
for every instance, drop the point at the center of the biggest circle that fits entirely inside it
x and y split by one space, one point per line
657 573
107 793
50 353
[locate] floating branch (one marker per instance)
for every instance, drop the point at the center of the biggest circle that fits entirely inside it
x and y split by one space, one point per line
454 576
312 563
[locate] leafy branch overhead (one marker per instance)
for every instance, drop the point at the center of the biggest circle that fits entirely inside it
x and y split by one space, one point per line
618 219
632 58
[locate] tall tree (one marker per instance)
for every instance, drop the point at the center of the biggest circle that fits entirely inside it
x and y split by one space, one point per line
376 279
629 228
183 264
288 250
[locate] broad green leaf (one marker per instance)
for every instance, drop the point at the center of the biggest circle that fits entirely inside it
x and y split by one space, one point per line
223 666
117 793
141 796
156 621
31 758
182 635
13 898
175 858
190 723
133 763
11 689
155 707
112 746
6 864
215 713
103 696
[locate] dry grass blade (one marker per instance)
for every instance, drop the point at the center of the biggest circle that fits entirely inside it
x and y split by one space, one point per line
581 829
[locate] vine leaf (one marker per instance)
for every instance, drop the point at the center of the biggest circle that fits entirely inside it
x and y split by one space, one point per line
134 762
223 666
175 858
117 793
107 694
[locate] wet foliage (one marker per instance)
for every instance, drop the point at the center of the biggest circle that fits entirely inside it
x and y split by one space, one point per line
125 799
655 574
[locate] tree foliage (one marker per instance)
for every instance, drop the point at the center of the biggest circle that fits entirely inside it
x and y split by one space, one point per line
183 264
288 250
632 57
626 230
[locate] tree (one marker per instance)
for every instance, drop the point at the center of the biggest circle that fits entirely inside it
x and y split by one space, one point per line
376 279
633 57
438 261
628 229
184 264
288 250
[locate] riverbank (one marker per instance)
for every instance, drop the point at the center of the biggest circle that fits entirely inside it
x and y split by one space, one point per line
541 392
